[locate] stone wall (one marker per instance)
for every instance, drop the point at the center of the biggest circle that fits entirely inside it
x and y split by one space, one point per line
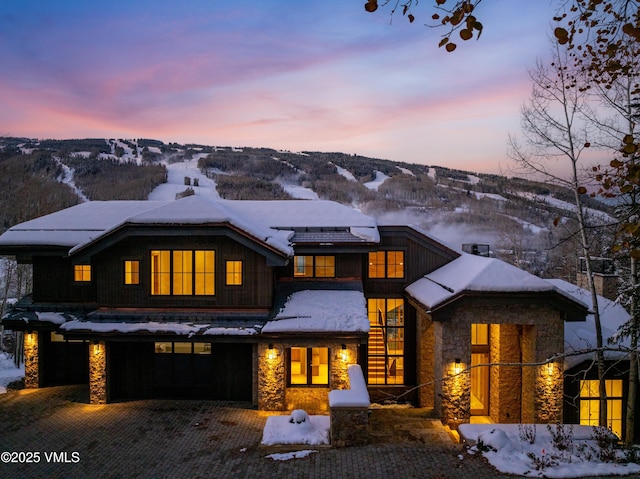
31 360
425 330
98 373
273 393
526 331
349 426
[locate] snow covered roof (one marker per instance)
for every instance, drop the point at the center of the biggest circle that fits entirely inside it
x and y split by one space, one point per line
74 225
318 311
271 222
476 274
582 335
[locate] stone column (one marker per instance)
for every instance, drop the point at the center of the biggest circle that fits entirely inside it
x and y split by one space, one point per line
271 378
98 373
31 360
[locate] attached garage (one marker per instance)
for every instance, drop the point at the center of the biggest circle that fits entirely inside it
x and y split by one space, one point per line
180 369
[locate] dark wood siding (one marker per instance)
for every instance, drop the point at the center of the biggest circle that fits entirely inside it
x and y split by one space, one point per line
63 362
53 282
421 256
255 292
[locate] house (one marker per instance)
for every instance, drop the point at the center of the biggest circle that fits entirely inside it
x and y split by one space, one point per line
270 301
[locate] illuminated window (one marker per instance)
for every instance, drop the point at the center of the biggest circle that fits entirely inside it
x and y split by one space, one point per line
182 348
82 273
309 366
386 264
132 272
314 266
590 403
183 272
386 341
234 273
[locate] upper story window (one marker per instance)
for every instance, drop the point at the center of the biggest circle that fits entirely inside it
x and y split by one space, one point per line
131 272
234 273
386 264
82 273
182 272
314 266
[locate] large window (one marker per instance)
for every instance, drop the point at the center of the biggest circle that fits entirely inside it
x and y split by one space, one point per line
386 341
314 266
182 272
82 273
309 366
590 403
386 264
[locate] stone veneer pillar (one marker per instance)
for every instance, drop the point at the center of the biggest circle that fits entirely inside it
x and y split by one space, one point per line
271 378
98 373
31 360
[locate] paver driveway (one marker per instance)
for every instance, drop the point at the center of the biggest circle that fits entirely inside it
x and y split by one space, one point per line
196 439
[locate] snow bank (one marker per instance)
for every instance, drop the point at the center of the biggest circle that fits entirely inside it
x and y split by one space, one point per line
356 396
504 448
284 430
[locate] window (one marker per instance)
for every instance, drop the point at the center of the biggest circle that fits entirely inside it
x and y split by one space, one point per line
590 403
182 348
234 273
309 366
131 272
386 264
314 266
386 341
182 272
82 273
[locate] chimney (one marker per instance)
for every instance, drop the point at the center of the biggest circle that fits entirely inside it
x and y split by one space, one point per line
605 278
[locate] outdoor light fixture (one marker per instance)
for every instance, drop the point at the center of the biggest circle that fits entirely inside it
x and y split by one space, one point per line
549 369
344 354
271 352
457 367
96 347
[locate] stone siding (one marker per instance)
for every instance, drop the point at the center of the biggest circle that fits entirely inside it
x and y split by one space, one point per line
31 360
523 331
349 426
275 395
98 373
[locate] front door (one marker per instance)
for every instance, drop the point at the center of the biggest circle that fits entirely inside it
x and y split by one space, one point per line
480 379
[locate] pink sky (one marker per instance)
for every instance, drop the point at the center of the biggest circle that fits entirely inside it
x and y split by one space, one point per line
322 76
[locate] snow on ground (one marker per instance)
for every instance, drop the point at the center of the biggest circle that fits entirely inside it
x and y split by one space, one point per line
479 195
507 452
405 171
290 455
431 173
300 192
176 173
67 178
564 205
346 173
8 372
375 184
296 428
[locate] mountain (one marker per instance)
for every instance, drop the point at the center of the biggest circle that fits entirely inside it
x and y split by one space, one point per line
524 222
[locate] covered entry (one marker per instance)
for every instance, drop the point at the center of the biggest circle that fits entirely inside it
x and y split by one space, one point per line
181 369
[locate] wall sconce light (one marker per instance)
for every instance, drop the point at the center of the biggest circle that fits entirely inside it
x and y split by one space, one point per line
344 354
271 352
29 337
96 347
457 367
550 369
